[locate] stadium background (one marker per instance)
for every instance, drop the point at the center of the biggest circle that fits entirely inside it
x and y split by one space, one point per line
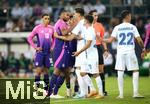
18 17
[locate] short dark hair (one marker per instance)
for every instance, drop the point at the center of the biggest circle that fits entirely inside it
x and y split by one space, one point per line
89 18
45 14
92 11
64 11
124 13
80 11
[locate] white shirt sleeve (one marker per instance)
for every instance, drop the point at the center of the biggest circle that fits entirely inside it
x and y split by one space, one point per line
77 29
114 32
89 35
136 33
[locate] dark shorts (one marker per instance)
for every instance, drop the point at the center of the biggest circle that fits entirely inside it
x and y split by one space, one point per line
61 58
42 60
100 54
72 61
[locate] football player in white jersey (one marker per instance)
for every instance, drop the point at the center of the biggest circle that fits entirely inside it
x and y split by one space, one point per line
90 64
126 33
81 61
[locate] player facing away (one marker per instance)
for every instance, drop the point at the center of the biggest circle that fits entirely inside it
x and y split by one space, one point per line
126 33
61 54
44 35
99 29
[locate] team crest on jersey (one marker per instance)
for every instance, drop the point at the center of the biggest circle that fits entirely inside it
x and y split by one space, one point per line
42 31
47 35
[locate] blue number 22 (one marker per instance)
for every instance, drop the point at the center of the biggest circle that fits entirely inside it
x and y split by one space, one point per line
123 37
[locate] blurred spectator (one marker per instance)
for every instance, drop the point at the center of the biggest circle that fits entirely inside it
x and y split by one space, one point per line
2 65
87 7
138 3
4 8
23 62
37 10
133 2
38 21
30 24
27 10
116 2
47 9
29 71
16 11
140 26
9 26
114 21
25 65
101 9
12 64
58 10
20 25
69 7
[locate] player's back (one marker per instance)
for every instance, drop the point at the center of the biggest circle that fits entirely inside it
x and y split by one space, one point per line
125 34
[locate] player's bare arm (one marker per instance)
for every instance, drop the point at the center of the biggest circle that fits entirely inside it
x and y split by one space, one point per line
66 38
66 31
109 40
141 44
83 49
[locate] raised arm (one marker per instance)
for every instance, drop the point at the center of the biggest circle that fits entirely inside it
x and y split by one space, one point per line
65 38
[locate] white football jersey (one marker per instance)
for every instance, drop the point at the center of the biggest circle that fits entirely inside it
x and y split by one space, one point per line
125 33
80 30
92 50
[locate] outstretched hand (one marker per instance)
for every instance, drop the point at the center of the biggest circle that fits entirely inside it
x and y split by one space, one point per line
75 54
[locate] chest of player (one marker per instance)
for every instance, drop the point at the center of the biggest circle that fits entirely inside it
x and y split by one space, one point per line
45 33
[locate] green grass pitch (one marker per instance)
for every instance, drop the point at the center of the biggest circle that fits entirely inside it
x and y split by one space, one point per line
112 89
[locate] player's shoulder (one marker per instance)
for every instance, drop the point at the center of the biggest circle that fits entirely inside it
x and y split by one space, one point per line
37 27
99 24
81 22
50 26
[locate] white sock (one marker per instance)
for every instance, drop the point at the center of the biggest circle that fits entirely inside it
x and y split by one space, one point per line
89 82
120 82
81 83
72 80
99 84
135 82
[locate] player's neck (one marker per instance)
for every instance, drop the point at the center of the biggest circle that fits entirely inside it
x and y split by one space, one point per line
45 25
126 21
94 21
81 18
88 25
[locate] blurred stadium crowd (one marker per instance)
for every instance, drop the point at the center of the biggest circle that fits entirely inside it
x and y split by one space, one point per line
23 15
